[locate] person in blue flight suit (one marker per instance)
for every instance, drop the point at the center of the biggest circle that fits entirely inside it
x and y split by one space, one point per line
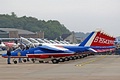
27 47
8 54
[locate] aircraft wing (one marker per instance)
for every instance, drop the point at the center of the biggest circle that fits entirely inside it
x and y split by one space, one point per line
54 48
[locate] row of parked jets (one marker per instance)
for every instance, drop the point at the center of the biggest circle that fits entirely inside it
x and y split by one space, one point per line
57 51
38 41
30 42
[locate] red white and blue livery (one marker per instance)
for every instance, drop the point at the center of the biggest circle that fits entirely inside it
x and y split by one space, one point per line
97 41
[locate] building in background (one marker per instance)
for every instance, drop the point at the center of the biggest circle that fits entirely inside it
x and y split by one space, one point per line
17 33
69 37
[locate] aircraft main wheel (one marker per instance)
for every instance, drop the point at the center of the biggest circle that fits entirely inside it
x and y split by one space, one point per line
71 58
80 57
83 56
24 60
15 62
67 59
41 61
61 60
33 60
55 61
75 57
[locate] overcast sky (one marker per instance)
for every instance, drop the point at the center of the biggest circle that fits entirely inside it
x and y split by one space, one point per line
76 15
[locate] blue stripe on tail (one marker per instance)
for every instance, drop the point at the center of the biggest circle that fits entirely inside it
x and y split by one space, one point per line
87 39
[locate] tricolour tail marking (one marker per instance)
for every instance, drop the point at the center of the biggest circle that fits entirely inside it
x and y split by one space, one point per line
98 38
102 39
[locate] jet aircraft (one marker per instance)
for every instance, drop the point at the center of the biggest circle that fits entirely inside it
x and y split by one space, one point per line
97 41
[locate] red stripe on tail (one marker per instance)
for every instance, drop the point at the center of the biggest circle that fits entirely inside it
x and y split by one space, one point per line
102 39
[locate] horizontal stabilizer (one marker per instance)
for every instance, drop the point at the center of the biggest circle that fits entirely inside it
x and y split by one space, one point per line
101 50
54 48
91 49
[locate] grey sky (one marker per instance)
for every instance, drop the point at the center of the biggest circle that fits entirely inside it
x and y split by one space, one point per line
76 15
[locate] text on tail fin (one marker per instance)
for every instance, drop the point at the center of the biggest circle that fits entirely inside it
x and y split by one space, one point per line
102 39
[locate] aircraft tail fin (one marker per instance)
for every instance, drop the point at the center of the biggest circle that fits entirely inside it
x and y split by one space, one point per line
98 38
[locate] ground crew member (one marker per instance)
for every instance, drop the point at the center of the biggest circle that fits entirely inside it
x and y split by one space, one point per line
8 54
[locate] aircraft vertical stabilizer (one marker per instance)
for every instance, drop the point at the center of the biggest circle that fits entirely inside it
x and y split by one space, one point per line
98 38
88 40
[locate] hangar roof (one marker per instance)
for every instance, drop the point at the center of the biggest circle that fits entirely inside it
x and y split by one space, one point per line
20 31
65 36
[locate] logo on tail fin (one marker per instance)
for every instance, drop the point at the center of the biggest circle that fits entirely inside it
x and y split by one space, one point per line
102 39
98 38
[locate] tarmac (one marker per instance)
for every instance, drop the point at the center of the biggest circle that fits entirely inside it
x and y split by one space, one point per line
98 67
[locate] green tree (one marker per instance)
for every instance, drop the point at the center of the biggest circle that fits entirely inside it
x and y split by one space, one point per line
52 28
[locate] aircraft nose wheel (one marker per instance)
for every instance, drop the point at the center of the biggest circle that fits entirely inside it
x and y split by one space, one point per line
15 62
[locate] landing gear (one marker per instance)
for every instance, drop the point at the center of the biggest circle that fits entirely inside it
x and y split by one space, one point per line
67 59
33 60
61 60
15 62
55 61
41 61
72 58
24 60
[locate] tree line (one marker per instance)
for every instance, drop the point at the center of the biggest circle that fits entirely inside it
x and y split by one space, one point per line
52 29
